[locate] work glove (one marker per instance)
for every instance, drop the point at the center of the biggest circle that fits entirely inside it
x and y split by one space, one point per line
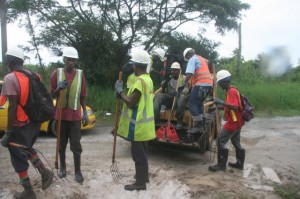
218 101
6 138
173 93
116 95
62 85
211 109
119 87
85 118
185 91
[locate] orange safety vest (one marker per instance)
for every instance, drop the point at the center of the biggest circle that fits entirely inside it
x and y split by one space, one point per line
202 74
24 91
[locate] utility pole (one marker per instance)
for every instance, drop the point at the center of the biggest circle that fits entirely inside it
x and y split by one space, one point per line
239 52
3 34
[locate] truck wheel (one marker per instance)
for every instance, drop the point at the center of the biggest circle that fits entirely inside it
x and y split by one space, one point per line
53 127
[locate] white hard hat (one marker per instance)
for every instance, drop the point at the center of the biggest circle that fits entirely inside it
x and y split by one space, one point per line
160 53
175 65
140 56
222 75
70 52
16 52
186 51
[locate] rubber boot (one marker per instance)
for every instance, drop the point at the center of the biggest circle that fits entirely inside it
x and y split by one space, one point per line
78 175
47 177
198 124
62 171
222 161
28 192
179 125
147 175
240 159
141 177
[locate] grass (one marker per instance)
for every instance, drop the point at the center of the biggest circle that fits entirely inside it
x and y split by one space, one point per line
269 99
288 191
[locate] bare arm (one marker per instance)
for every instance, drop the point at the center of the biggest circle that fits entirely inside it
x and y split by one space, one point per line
133 99
12 111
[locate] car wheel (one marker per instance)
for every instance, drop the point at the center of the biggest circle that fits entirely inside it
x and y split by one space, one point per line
53 127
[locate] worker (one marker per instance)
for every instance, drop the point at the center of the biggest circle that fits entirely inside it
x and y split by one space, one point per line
70 83
157 53
201 83
232 128
20 129
137 118
169 92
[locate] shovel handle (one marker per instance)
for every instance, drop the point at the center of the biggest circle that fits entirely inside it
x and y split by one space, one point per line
116 122
13 144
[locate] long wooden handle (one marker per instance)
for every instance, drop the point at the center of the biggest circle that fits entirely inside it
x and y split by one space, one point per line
58 128
217 110
116 122
12 144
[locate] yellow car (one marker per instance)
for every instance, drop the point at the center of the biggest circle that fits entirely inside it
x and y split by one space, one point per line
48 127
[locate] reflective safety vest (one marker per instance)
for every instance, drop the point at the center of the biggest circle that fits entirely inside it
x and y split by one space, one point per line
24 90
71 95
137 124
202 74
180 82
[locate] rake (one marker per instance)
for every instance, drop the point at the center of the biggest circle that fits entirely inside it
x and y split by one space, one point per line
114 167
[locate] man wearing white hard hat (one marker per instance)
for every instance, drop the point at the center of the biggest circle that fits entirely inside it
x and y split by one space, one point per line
20 129
137 119
169 92
201 83
69 82
232 128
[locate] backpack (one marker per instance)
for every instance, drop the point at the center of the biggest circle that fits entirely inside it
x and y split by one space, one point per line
248 110
39 105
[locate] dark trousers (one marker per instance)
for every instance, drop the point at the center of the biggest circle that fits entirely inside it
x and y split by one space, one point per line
25 135
139 153
197 97
235 138
70 130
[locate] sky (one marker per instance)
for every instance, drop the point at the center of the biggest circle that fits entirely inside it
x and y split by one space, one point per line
267 25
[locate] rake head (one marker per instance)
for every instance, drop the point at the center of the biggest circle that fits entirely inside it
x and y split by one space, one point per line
115 173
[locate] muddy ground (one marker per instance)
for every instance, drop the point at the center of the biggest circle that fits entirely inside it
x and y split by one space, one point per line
271 145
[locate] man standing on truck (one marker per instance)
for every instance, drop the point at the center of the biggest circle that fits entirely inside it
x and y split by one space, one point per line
20 129
232 128
137 118
70 83
168 93
201 82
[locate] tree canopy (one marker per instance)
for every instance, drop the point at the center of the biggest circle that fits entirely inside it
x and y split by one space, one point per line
103 30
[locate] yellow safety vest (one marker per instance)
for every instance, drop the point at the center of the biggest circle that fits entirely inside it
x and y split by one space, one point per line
137 124
71 95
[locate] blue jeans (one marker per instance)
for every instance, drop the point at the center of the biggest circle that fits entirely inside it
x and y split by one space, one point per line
197 97
235 138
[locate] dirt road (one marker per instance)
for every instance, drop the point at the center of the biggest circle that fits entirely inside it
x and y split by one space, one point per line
271 145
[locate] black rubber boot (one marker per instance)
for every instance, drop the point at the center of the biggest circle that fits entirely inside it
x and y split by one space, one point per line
47 177
78 175
197 128
141 177
62 171
28 192
222 161
147 175
240 159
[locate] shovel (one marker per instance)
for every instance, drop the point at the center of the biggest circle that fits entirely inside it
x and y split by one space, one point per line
168 132
114 168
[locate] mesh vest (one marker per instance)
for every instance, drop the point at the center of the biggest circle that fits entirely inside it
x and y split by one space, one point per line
137 124
71 95
202 74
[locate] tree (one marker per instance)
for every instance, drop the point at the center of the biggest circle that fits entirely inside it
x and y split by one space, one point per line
103 31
